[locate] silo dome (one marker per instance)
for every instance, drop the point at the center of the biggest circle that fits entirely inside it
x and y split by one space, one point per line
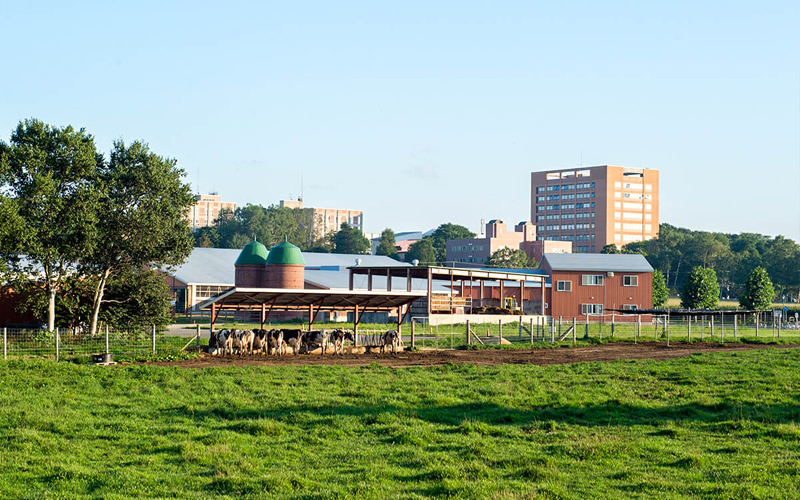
251 265
285 267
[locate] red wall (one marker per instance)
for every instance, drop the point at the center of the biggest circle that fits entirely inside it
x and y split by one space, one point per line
612 294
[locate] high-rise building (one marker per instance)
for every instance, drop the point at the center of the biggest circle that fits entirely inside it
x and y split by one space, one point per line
206 210
595 206
327 220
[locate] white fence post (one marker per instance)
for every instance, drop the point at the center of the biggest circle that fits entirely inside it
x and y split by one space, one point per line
107 351
5 343
58 337
198 335
154 339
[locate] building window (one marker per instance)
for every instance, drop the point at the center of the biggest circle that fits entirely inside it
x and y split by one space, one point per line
594 309
563 286
630 307
630 281
592 279
540 189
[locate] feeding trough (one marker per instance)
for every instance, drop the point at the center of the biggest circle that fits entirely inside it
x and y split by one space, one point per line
104 359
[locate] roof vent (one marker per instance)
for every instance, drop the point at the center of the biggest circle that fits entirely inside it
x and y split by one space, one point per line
415 262
358 262
610 274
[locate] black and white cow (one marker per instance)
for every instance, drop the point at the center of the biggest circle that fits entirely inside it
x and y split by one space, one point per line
260 341
275 343
338 337
246 338
223 342
316 338
294 339
390 338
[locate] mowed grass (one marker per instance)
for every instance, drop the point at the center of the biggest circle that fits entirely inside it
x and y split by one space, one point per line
708 426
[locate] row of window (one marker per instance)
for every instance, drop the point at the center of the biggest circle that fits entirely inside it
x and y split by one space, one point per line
597 309
563 227
594 280
565 187
465 248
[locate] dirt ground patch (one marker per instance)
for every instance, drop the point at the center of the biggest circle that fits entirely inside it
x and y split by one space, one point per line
554 356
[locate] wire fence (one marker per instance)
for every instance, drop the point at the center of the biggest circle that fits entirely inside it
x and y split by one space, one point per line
596 328
64 343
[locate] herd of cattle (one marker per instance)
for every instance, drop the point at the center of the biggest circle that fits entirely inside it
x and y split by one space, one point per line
278 342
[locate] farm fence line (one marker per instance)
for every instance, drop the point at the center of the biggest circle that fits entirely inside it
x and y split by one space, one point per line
66 342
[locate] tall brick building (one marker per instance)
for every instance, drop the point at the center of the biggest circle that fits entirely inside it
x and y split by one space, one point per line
595 206
206 210
329 220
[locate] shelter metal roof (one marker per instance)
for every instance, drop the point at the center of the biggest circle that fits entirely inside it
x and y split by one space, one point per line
292 299
445 273
633 263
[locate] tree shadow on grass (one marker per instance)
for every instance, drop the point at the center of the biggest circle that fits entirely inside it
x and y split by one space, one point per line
609 413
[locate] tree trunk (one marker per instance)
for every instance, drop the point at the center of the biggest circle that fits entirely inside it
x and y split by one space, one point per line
51 308
98 299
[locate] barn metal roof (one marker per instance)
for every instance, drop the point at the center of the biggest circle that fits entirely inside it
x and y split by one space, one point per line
632 263
215 266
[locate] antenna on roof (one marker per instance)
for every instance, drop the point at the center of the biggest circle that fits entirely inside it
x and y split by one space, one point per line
301 187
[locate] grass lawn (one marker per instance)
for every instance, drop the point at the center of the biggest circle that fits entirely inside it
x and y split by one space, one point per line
708 426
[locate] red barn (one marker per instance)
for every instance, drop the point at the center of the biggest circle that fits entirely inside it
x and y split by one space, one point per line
584 283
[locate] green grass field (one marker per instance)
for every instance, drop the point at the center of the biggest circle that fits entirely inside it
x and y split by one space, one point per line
707 426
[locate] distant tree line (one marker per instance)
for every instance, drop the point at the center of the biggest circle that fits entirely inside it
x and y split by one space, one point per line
676 252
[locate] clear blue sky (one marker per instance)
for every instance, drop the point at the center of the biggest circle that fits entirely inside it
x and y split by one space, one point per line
421 113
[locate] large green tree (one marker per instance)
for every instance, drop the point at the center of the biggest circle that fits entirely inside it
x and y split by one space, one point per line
446 232
350 240
660 290
49 180
144 201
270 225
510 258
758 290
421 251
701 290
386 245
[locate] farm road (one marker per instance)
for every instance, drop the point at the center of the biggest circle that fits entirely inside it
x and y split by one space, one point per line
542 356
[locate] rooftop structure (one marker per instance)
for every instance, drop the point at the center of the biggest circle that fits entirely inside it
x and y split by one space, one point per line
327 220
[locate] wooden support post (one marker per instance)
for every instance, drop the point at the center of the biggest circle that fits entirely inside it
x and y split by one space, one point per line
214 313
500 329
667 337
531 330
689 334
107 335
351 279
613 323
552 331
722 326
389 281
400 321
413 334
522 296
154 339
574 339
502 294
559 327
544 282
311 316
5 343
369 280
735 328
586 328
519 336
58 342
430 290
263 314
408 279
757 321
355 326
198 334
468 339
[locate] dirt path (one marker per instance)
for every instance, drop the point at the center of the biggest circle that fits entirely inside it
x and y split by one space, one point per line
564 355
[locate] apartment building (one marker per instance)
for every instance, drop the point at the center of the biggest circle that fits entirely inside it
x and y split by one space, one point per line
328 220
206 210
595 206
497 236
